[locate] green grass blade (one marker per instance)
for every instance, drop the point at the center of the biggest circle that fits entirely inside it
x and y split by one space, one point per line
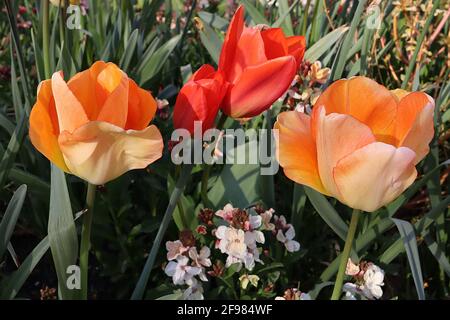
62 234
211 41
158 60
409 241
327 212
317 50
13 148
283 9
254 13
10 217
11 285
348 41
214 20
438 253
129 50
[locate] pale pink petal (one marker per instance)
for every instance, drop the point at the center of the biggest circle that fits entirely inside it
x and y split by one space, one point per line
374 175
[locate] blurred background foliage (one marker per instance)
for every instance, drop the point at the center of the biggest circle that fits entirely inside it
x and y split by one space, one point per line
159 43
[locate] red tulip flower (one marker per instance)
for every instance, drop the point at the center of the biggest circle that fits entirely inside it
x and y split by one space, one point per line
259 63
199 99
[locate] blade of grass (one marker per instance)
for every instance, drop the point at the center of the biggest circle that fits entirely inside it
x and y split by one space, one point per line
139 290
62 234
257 17
327 212
10 217
324 44
410 243
349 38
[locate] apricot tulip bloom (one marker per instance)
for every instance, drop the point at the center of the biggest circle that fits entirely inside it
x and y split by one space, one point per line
95 125
199 99
361 143
259 63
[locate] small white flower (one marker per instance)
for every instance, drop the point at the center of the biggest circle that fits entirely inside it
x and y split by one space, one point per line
175 249
254 222
232 241
373 281
226 213
247 279
194 291
280 222
181 272
200 259
234 261
253 237
287 239
266 218
351 269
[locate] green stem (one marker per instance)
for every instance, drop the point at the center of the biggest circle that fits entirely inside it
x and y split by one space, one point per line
204 190
182 215
86 239
46 38
139 290
345 255
62 20
207 168
305 18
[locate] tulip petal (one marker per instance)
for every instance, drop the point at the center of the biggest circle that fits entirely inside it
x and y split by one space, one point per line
337 136
44 127
192 105
365 100
206 71
141 107
115 109
85 87
275 43
415 124
296 47
100 152
374 175
71 114
249 52
296 149
259 87
231 41
199 99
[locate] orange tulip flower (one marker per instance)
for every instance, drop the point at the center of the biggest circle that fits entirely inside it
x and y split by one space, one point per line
95 125
199 99
361 143
259 63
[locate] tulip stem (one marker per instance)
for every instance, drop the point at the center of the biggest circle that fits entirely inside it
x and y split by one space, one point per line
86 239
204 191
207 168
139 290
46 38
345 255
